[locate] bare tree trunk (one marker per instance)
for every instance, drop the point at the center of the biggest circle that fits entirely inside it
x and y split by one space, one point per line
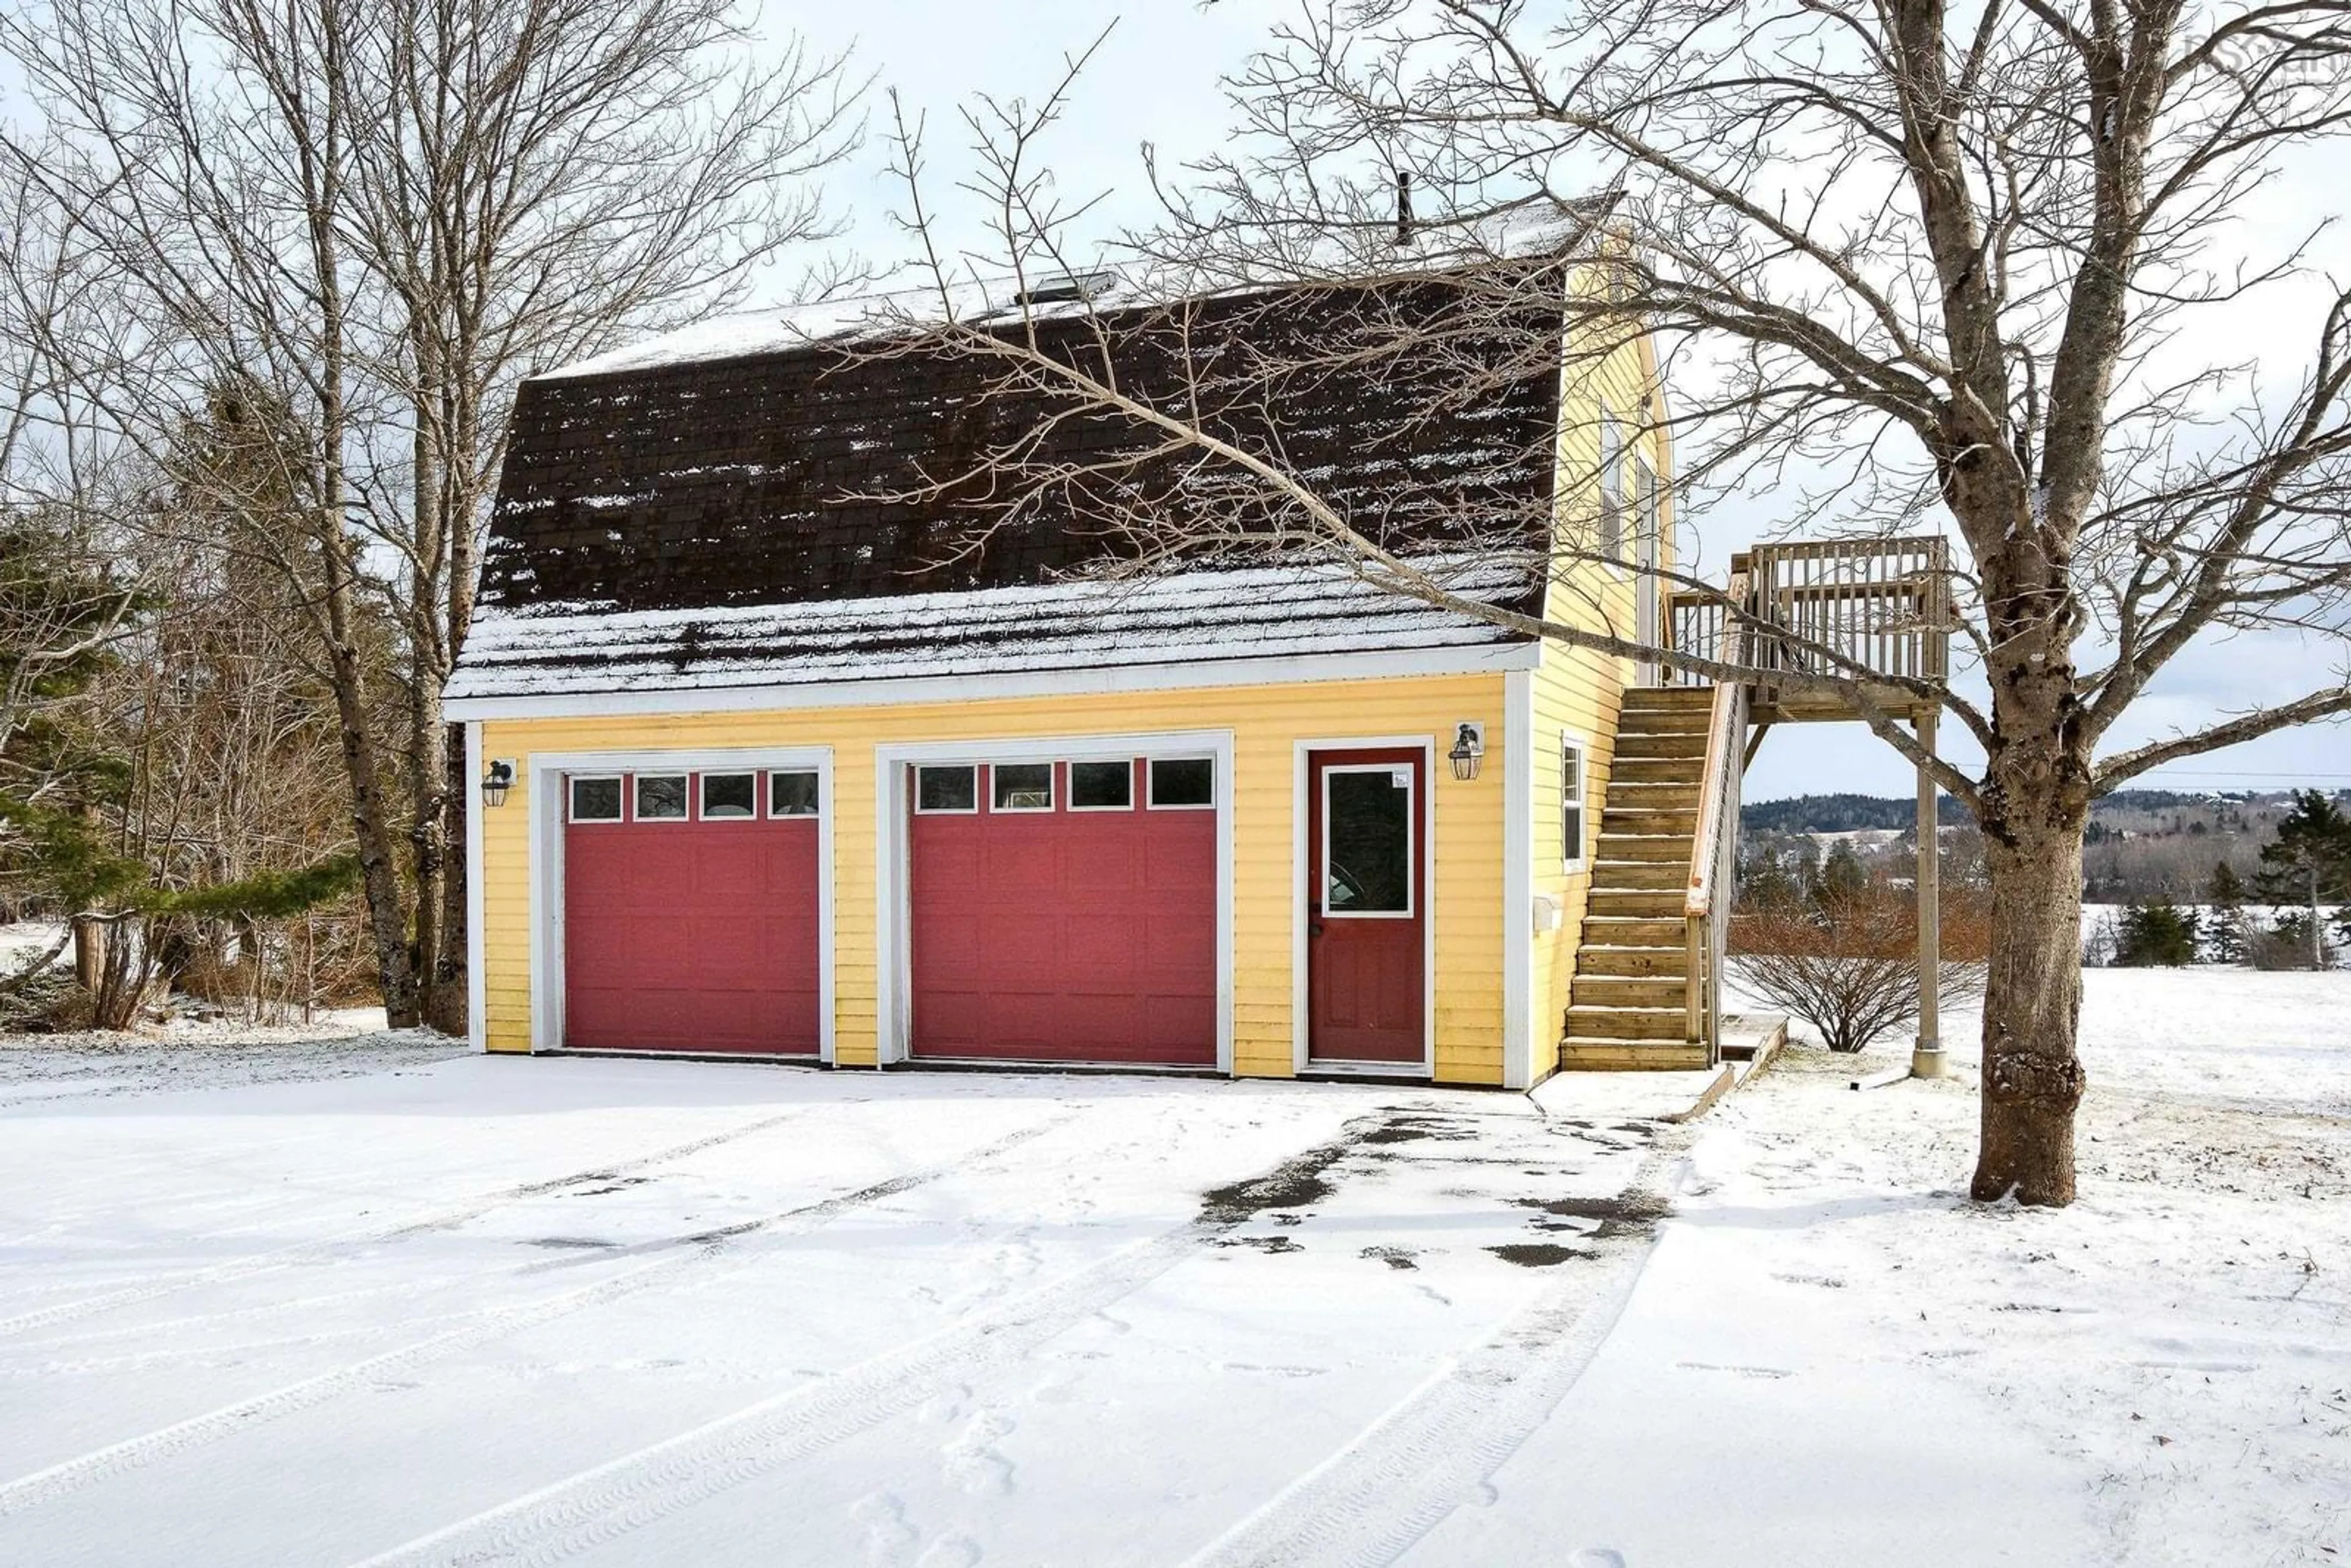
2318 937
449 1008
2032 1081
450 990
427 742
90 952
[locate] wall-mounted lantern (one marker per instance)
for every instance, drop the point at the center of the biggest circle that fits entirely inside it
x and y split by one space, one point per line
1469 749
496 780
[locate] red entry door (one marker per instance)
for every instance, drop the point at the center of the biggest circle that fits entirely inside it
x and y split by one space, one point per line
1366 951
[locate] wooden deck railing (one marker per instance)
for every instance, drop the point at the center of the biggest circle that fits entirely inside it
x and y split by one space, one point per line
1837 607
1876 609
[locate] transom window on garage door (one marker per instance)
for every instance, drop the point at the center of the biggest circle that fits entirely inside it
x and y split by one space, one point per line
718 794
1075 784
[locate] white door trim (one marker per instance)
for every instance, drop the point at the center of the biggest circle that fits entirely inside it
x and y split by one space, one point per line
543 772
1301 992
893 914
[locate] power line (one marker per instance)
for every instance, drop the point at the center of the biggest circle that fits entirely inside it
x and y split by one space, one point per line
2192 773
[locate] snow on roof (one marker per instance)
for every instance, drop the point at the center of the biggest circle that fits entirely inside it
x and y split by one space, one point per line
979 301
1242 613
781 329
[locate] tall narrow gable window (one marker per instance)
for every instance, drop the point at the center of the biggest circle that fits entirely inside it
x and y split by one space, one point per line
1610 543
1571 802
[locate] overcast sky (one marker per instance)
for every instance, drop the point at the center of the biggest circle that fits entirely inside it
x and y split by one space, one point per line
1155 79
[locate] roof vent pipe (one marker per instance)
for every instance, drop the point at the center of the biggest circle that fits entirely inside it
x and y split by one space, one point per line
1403 209
1062 287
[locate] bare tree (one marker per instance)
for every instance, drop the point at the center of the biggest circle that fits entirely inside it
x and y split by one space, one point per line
546 173
1912 267
381 216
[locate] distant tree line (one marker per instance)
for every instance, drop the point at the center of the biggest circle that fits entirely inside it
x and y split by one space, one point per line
2292 913
2140 845
1845 814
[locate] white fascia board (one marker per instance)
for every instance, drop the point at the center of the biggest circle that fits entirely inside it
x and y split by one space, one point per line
1482 659
1518 880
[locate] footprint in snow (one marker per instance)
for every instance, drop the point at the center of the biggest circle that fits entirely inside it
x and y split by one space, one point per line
973 1462
955 1551
1596 1557
1059 1387
947 1405
888 1537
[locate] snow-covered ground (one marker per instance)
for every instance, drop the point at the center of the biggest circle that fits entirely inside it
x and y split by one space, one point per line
1833 1357
472 1311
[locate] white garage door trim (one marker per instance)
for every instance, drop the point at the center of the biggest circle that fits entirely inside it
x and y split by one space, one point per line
545 771
894 953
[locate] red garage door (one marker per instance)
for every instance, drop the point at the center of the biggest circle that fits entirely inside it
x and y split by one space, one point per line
1066 911
690 913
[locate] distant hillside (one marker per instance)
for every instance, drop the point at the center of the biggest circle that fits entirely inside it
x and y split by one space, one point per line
1841 813
2132 811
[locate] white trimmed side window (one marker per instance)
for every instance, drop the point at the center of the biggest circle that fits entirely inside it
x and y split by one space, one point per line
1611 541
1571 802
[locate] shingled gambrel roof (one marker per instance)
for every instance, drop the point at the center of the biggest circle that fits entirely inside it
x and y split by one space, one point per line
661 497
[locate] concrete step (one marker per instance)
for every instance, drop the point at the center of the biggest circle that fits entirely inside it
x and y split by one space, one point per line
1652 876
1626 931
1644 991
1643 902
1669 962
1669 1024
1577 1053
1688 743
1645 847
1687 770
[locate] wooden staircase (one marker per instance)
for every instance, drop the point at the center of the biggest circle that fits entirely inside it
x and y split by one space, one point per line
1630 1005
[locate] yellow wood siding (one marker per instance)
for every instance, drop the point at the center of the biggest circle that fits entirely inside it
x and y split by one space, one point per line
1578 692
1576 696
1266 722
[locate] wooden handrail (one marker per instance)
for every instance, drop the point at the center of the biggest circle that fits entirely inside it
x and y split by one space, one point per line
1699 901
1722 748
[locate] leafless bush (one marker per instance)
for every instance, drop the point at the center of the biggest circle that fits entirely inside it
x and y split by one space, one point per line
2286 946
1848 965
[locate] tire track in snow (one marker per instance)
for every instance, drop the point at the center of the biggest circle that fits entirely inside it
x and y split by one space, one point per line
584 1511
326 1249
87 1469
1366 1505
